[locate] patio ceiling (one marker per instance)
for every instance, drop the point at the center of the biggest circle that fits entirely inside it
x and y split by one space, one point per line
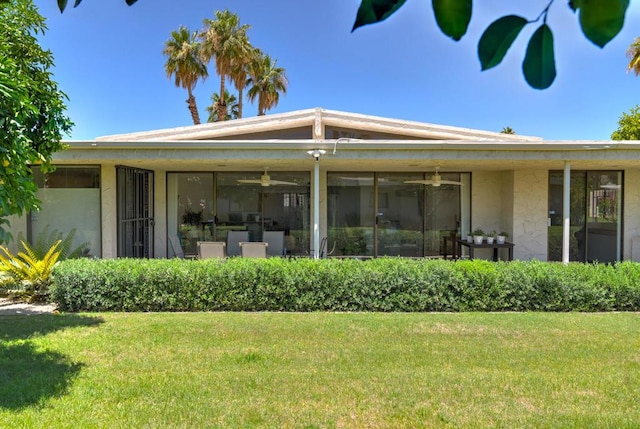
287 155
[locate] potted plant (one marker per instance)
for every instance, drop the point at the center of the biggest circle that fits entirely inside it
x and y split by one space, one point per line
502 236
478 236
490 237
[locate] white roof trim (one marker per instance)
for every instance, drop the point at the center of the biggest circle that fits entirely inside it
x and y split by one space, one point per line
317 119
364 145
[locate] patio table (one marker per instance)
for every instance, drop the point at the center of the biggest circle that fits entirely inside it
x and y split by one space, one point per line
495 246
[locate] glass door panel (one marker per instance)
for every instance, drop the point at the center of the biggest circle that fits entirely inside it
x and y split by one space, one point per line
350 213
399 218
595 220
243 203
603 232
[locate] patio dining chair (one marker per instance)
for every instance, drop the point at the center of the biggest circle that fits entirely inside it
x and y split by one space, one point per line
176 247
275 239
233 241
253 249
212 249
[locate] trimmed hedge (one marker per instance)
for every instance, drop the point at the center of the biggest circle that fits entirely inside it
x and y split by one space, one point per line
383 284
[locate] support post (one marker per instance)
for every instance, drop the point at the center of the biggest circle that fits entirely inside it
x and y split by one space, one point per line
316 209
316 153
566 214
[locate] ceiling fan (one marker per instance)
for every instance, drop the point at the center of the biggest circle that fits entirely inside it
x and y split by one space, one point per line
435 181
265 180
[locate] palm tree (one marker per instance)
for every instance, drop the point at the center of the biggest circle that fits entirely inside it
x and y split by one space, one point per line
507 130
224 40
232 105
267 82
183 62
633 53
239 67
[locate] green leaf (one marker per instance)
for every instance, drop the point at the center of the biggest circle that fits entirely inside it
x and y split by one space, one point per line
602 20
498 38
453 16
62 4
575 4
539 66
370 11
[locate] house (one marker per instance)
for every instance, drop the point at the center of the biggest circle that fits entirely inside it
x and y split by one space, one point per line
369 186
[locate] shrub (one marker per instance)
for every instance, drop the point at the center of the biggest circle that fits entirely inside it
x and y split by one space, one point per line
383 284
25 275
46 239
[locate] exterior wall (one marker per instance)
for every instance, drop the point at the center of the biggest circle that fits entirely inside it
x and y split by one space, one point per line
630 217
530 214
506 222
490 195
109 211
17 226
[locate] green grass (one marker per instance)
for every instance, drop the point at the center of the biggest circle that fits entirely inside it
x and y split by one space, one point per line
317 370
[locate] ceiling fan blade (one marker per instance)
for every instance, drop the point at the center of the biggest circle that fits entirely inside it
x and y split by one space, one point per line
282 182
450 182
420 182
258 181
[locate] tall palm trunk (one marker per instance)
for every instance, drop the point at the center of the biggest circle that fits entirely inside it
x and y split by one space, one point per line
193 108
222 106
240 97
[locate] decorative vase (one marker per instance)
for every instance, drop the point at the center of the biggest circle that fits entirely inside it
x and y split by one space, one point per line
477 239
469 239
490 239
501 239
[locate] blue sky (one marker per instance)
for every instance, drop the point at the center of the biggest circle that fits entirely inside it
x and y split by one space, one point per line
109 62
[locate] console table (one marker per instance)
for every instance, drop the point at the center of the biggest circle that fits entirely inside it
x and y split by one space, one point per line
495 246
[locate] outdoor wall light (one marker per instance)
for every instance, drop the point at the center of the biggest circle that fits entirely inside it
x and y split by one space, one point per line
316 153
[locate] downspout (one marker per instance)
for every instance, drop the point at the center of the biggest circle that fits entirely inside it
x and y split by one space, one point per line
566 207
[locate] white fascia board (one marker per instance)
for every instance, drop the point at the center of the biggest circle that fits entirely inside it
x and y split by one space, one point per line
362 145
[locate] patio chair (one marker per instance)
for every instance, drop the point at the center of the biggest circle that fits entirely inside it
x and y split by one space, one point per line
233 241
275 240
175 247
177 251
212 249
323 252
253 249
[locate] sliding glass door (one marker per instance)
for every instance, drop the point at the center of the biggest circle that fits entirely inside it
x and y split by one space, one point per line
207 206
595 216
389 214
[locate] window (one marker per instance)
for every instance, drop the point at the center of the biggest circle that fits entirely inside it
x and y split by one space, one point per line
70 200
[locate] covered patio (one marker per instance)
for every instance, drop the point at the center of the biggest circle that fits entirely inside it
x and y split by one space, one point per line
370 190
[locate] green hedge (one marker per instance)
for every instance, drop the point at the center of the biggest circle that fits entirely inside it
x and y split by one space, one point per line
384 284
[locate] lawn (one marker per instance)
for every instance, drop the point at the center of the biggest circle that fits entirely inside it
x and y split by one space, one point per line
320 370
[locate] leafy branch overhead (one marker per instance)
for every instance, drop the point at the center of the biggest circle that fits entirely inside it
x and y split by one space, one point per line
600 21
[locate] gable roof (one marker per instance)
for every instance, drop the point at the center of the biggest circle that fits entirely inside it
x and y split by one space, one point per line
317 120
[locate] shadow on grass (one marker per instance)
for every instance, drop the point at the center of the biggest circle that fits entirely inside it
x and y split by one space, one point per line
30 375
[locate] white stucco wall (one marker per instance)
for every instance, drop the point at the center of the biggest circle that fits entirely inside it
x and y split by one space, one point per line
631 219
490 204
530 207
109 211
160 214
17 226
